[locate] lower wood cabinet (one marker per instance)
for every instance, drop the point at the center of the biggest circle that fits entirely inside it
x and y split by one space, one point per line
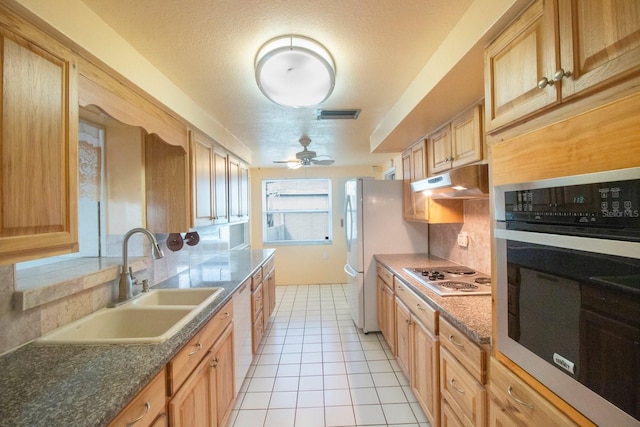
386 309
147 408
425 370
514 403
417 347
201 376
463 373
403 345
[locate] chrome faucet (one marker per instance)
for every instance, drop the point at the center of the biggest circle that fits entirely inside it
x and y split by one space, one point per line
127 280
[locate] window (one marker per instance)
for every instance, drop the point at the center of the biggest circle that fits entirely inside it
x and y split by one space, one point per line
297 211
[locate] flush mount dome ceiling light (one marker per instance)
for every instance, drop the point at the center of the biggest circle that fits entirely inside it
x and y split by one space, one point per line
295 71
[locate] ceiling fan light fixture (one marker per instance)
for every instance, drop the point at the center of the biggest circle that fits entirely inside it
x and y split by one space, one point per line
295 71
294 165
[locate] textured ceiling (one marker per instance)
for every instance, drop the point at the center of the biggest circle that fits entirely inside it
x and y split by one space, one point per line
207 48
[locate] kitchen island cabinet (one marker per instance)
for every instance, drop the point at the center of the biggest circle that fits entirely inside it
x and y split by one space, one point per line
38 143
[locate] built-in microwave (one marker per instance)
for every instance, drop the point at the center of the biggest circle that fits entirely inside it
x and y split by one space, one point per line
568 288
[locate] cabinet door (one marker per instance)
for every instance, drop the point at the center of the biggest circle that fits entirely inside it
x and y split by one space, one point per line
516 61
222 372
244 191
386 315
403 345
407 194
418 172
166 186
193 404
220 187
440 150
38 147
466 137
425 368
449 418
498 417
599 41
202 180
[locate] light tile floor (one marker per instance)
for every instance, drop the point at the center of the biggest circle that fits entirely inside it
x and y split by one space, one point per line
316 369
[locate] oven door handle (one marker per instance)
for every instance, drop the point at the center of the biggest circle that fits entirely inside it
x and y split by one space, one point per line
587 244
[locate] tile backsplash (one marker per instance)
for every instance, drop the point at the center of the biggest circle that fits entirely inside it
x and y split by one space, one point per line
443 238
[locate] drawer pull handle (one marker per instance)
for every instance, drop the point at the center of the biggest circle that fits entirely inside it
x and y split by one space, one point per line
198 348
147 407
454 342
226 315
420 307
452 384
400 288
520 401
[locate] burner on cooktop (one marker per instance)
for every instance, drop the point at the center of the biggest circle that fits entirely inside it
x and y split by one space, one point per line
461 286
459 270
483 280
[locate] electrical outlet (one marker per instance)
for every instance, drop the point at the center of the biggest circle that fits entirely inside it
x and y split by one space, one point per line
325 255
463 239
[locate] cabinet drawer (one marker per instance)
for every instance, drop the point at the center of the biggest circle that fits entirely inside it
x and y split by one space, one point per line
510 395
467 352
385 275
192 353
256 279
268 266
418 307
257 300
146 406
461 390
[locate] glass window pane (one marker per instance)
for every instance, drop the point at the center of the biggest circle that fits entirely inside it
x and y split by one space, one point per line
297 210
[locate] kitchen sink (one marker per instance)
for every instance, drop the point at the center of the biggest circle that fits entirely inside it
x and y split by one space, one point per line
187 296
151 318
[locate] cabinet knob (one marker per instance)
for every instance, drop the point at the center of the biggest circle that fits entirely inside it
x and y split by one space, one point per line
557 76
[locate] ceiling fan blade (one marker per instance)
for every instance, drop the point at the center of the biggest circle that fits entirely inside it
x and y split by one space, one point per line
286 161
326 162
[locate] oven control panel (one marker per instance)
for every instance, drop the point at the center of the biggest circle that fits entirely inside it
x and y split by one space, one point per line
606 204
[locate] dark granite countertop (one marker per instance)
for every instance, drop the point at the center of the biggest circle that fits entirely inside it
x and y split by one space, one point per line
88 385
469 313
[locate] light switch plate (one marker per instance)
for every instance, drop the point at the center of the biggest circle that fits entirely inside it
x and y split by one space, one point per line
463 239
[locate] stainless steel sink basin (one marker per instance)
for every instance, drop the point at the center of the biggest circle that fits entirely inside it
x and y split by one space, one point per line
150 318
187 296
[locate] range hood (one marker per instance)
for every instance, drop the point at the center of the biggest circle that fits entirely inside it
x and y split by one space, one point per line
466 182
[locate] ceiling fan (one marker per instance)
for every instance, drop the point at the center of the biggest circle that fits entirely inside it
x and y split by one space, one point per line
307 157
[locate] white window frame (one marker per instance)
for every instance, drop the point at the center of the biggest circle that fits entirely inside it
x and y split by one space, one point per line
323 241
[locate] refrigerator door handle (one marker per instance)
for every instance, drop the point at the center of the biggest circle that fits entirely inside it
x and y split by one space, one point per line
348 223
350 271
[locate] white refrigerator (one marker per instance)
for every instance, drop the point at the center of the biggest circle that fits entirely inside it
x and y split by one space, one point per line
373 224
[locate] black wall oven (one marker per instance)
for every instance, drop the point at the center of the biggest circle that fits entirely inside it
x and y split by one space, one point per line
568 288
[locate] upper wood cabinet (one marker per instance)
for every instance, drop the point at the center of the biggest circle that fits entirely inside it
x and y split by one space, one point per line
238 190
418 207
556 51
458 143
38 144
166 186
414 168
208 181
